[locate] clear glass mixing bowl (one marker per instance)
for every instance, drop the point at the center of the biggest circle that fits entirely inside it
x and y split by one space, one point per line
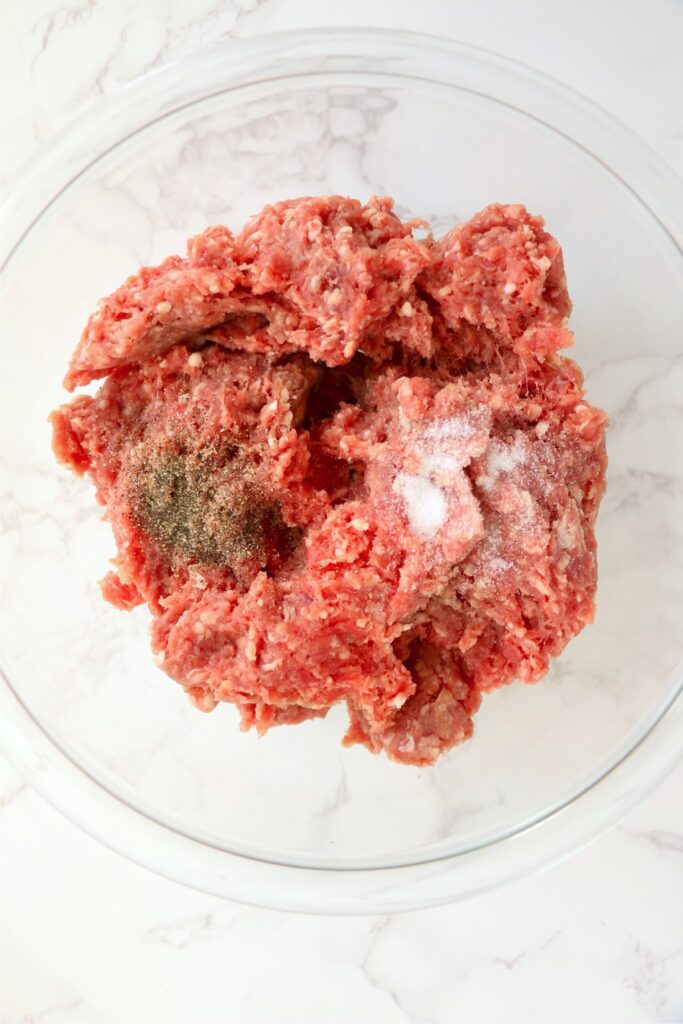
293 820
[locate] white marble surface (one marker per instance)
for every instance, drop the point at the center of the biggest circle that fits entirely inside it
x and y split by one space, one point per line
86 936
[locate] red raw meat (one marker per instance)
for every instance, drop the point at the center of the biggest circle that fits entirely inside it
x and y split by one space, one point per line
343 464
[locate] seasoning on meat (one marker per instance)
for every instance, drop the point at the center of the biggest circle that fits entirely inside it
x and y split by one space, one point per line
205 507
344 464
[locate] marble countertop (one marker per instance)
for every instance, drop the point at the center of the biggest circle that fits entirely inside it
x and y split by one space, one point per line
87 936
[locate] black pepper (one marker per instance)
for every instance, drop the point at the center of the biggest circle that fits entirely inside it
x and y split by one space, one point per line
206 507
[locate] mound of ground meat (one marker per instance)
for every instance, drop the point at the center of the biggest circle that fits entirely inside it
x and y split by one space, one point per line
344 464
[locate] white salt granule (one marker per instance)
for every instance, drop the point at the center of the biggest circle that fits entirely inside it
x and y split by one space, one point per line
458 428
424 502
504 458
501 458
437 456
439 463
441 448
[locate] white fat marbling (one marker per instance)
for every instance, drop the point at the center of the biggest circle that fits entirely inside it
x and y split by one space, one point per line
87 936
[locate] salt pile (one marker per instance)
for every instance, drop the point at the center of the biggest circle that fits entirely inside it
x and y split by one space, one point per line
443 449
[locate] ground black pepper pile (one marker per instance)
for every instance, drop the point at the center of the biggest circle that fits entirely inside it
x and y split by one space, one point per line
204 506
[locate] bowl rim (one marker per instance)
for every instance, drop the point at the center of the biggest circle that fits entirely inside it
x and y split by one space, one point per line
234 874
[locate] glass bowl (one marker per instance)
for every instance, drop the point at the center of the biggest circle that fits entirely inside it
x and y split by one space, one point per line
294 820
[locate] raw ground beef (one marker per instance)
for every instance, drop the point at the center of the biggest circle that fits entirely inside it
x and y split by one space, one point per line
343 464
